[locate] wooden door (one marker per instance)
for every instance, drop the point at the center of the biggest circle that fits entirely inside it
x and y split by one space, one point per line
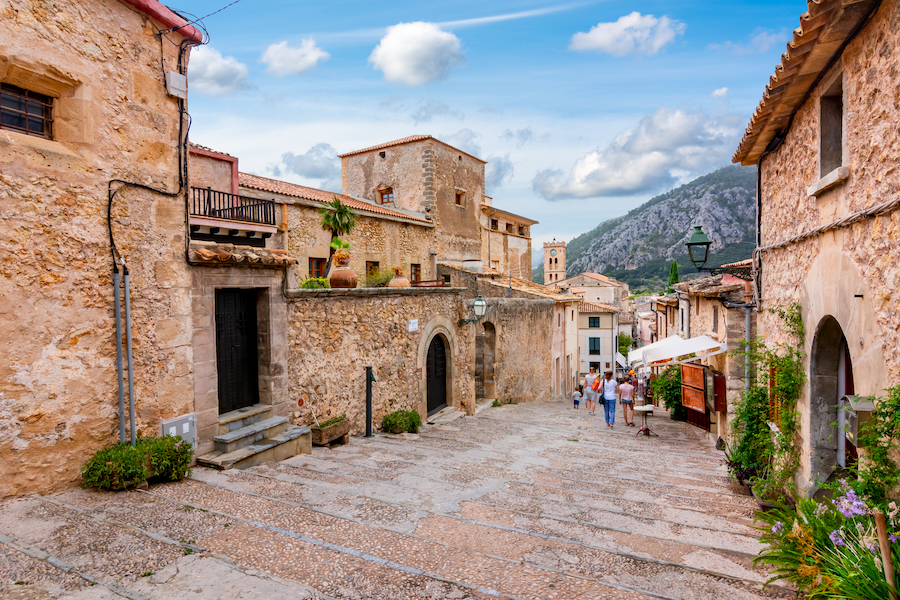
236 349
436 375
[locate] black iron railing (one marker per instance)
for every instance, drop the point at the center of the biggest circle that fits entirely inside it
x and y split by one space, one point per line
207 202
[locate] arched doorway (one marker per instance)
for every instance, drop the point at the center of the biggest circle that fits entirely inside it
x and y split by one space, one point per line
485 351
436 375
831 378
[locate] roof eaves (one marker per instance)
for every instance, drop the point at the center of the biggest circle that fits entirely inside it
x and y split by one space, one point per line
409 140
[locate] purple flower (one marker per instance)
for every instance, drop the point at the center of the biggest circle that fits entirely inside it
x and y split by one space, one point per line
850 505
894 538
836 538
777 528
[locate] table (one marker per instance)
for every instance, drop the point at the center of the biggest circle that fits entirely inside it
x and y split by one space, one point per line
645 429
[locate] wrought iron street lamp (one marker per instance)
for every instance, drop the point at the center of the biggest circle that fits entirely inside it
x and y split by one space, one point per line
698 249
479 307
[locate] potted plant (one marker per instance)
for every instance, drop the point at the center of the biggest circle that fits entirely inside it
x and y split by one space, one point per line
401 421
339 220
399 281
343 276
337 428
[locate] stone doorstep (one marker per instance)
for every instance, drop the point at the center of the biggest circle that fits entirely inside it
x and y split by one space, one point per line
243 416
445 415
250 434
483 404
290 442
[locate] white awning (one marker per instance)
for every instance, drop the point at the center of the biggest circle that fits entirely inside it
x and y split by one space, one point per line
675 350
621 360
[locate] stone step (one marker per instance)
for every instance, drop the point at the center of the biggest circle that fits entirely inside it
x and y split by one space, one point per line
243 416
250 434
445 415
293 440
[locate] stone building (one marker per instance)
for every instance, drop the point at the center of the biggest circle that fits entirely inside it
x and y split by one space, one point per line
506 241
89 75
825 143
598 326
554 262
717 307
594 287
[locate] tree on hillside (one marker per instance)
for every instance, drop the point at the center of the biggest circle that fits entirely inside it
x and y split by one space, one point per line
673 275
340 220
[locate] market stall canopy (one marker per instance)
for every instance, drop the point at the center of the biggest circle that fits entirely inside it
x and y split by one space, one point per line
675 350
621 360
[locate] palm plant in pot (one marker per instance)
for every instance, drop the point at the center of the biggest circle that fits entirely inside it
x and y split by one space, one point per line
343 276
338 219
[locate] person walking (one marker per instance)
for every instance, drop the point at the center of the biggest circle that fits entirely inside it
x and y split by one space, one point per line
590 394
610 388
626 391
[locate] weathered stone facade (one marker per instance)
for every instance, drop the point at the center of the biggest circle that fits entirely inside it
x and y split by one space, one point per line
506 243
112 119
336 334
426 176
849 276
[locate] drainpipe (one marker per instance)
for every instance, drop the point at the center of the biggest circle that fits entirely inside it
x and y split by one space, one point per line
128 344
119 355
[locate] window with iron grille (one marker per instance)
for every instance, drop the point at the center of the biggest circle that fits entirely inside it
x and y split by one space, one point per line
415 273
25 111
593 321
593 345
317 267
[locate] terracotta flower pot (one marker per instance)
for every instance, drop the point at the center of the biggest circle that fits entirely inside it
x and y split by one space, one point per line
399 282
343 276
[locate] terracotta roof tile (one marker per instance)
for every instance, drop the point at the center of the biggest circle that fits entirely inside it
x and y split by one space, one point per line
529 287
407 140
596 307
212 253
208 149
267 184
822 31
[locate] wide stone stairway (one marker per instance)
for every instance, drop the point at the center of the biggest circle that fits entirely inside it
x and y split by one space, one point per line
522 501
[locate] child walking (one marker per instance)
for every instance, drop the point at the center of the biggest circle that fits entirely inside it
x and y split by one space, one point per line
576 396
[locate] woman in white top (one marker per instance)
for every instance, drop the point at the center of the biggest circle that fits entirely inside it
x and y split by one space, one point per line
610 388
590 394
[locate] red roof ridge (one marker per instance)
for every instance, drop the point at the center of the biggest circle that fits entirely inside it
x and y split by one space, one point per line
588 307
267 184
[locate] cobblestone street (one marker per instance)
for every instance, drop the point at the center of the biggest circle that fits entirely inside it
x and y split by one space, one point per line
521 501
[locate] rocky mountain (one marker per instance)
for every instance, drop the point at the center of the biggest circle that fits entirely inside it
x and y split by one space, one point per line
638 247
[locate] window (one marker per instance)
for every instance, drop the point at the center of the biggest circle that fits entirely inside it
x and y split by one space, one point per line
509 228
494 224
593 345
371 267
495 265
593 321
715 319
831 123
558 320
595 365
25 111
415 273
573 316
386 195
521 231
460 199
317 267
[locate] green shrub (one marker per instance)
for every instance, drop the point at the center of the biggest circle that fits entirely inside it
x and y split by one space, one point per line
122 466
332 421
379 277
402 420
315 283
667 388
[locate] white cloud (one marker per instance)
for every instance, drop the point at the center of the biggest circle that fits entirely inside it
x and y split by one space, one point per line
498 170
521 136
667 146
720 93
282 59
212 74
633 33
430 110
760 41
319 162
464 139
417 53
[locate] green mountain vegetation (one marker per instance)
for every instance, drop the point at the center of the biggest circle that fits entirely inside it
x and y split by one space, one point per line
639 247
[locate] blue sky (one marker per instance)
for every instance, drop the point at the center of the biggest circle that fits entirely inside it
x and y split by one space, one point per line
583 110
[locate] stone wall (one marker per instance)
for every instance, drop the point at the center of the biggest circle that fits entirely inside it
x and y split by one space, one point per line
112 119
335 334
425 176
850 274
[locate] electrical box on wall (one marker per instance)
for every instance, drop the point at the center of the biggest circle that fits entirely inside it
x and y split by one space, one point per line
185 426
176 85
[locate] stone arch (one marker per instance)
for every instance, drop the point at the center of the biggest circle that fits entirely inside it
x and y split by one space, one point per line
835 305
444 327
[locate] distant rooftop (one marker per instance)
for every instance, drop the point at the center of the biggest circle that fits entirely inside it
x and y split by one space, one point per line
408 140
